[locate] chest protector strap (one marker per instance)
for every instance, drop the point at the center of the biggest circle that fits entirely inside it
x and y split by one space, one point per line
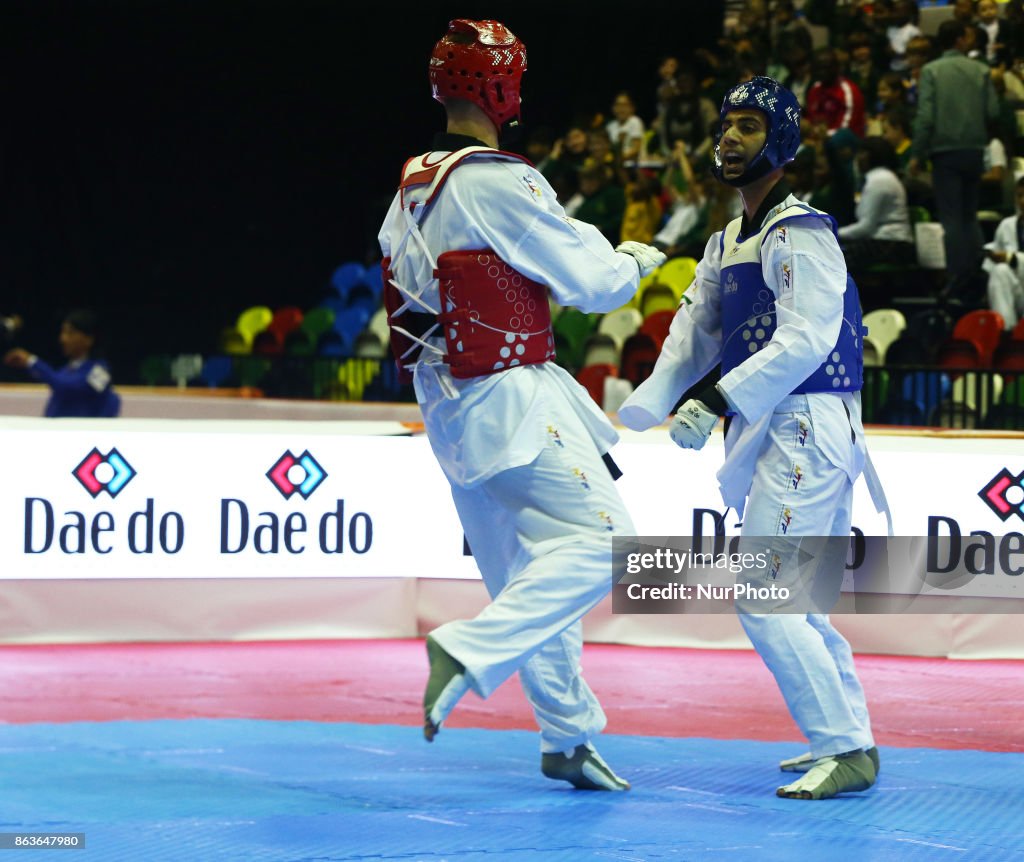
491 317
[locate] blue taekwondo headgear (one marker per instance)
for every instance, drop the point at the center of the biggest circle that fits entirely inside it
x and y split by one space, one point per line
781 108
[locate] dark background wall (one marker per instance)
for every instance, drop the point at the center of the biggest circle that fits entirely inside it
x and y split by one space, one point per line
170 162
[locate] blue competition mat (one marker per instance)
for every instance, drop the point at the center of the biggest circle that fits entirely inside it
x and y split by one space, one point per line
297 791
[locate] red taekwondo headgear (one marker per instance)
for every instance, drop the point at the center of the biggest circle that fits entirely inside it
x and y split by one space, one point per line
482 62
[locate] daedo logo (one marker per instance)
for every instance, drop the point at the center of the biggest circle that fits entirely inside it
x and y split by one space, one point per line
98 472
272 531
1004 495
57 527
296 475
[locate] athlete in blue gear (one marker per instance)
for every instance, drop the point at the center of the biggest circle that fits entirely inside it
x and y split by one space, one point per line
82 387
771 302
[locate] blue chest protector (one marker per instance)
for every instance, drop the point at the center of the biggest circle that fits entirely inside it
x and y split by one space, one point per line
749 314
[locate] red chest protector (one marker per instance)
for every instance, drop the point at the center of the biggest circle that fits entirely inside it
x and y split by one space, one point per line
492 317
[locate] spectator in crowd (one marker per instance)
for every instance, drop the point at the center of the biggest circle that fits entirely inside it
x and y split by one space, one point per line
800 78
834 99
83 386
643 212
919 52
686 116
601 151
565 161
863 67
896 129
996 182
599 202
688 207
963 11
1011 79
902 28
995 35
789 32
956 103
1004 264
1013 15
890 93
626 129
881 233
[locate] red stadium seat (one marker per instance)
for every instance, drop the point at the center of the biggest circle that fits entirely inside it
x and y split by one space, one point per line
639 353
960 353
285 321
657 325
984 328
592 378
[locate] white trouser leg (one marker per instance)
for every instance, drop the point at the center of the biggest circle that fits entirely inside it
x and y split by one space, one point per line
797 492
542 538
1004 293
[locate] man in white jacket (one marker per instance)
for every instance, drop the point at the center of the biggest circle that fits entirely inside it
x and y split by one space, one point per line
772 302
474 243
1004 263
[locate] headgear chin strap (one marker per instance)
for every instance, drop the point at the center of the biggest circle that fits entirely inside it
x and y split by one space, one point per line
782 110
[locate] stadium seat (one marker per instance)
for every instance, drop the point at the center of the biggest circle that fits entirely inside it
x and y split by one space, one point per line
350 322
267 343
907 350
574 327
367 346
253 320
592 378
657 297
874 394
657 326
677 273
600 349
301 342
286 320
931 326
233 342
984 328
156 370
185 367
318 320
884 326
252 370
621 323
356 373
216 370
1009 357
332 344
373 278
639 353
378 325
872 355
360 296
960 353
345 277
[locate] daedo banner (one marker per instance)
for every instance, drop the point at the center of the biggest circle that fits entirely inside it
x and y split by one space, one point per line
195 499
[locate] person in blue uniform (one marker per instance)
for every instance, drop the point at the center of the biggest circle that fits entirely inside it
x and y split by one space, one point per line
81 388
772 302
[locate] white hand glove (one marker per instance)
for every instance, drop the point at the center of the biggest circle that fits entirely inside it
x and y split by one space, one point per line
647 257
692 425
